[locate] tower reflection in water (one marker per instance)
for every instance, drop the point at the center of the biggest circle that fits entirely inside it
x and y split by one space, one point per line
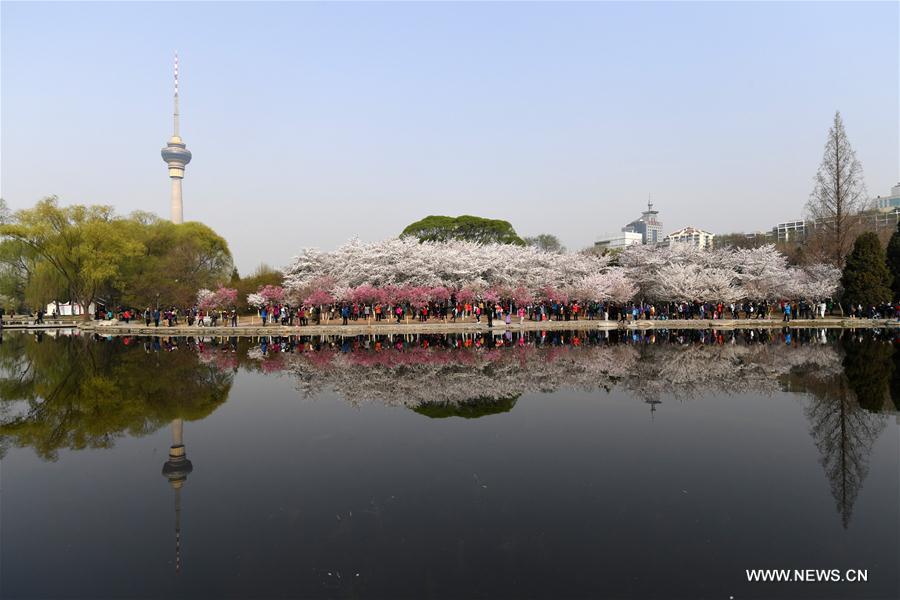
176 470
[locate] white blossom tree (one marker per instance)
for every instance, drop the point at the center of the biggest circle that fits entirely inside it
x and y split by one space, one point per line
256 299
389 270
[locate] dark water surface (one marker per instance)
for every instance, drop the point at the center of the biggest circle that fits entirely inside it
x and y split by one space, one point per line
571 465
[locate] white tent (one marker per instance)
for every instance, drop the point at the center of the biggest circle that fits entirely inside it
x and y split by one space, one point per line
67 309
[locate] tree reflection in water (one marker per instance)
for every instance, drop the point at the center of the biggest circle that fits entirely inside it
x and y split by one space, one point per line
74 392
77 392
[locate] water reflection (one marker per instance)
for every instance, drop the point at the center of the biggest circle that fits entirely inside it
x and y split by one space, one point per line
459 370
74 392
176 470
77 392
477 484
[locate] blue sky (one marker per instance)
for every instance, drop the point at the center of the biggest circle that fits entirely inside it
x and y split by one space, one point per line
311 123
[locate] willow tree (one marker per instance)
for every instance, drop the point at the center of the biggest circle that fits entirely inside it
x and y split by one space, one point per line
839 194
88 253
81 249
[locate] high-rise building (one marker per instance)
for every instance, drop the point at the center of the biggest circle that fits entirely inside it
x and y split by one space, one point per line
177 156
649 226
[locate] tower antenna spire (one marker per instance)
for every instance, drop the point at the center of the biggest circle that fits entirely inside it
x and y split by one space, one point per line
177 156
176 95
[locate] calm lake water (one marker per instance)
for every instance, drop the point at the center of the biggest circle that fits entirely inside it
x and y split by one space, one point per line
569 465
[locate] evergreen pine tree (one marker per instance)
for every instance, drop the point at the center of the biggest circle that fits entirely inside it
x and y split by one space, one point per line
866 278
893 261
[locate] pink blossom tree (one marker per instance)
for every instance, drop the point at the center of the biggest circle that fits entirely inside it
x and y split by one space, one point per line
204 298
418 296
226 297
552 294
389 294
440 293
364 293
466 295
222 298
521 296
273 294
319 298
491 295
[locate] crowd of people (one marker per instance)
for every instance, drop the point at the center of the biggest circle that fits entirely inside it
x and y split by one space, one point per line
453 311
170 317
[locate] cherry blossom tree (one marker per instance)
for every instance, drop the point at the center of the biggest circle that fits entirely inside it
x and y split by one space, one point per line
491 296
611 286
226 297
364 293
465 295
417 296
440 293
342 293
256 300
319 298
405 270
222 298
814 282
763 272
204 298
454 264
521 296
274 294
619 288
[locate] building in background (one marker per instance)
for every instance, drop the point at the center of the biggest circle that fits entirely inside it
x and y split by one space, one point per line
887 203
789 231
883 213
177 156
692 236
649 226
618 241
879 220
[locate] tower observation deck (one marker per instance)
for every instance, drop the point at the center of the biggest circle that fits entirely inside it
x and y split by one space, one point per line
177 156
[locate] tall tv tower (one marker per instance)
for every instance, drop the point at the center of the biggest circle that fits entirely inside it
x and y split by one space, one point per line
177 156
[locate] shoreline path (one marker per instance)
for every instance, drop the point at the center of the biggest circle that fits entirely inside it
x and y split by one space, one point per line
370 327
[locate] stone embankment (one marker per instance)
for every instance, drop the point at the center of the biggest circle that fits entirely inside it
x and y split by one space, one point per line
371 328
